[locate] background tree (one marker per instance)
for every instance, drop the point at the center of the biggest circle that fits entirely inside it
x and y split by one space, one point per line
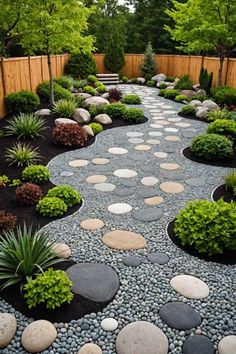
148 68
51 26
114 57
205 25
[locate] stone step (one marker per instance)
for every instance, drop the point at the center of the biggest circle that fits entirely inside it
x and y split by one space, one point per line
108 75
109 79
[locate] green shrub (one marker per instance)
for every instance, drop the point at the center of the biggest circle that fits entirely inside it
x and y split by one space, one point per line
7 222
16 182
98 83
24 254
184 83
80 66
95 110
114 59
134 80
224 95
151 83
43 90
116 110
25 126
212 146
68 194
209 227
223 127
51 206
79 84
36 174
89 89
65 81
4 181
92 79
134 115
148 67
131 99
65 108
188 110
124 79
101 89
22 154
163 86
170 79
181 98
218 114
205 80
79 101
52 288
171 93
162 92
22 102
96 128
230 181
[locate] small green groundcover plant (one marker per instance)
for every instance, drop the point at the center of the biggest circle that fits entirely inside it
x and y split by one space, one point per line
22 154
184 83
92 79
224 95
36 174
161 92
131 99
116 110
65 108
65 81
218 114
224 127
134 115
96 128
212 147
188 110
89 89
51 207
26 125
162 86
4 181
209 227
181 98
95 110
171 93
151 83
43 90
51 288
101 89
230 181
69 195
22 102
79 84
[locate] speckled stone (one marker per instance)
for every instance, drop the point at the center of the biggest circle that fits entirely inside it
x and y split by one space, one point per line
78 163
66 174
95 179
155 133
62 250
169 166
156 126
198 345
100 161
172 138
172 130
131 261
227 345
90 348
154 201
8 326
142 147
148 214
183 125
119 208
134 134
174 120
125 173
105 187
160 154
117 151
91 224
158 257
124 240
171 187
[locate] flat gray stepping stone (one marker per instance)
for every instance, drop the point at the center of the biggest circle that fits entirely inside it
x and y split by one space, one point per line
128 183
66 174
94 281
189 133
158 257
196 181
137 156
134 134
122 192
148 192
105 187
135 141
173 175
198 345
148 214
179 315
131 261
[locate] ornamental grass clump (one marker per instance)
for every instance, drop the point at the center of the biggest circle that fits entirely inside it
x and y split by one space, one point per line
25 126
230 181
22 154
65 108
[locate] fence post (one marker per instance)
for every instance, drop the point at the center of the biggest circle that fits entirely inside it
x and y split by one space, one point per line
226 71
30 78
3 76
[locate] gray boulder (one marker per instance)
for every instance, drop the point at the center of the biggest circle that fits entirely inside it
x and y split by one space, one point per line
83 94
188 93
196 87
59 121
81 115
43 112
88 130
159 77
195 103
141 80
201 112
103 119
210 105
105 95
96 101
200 92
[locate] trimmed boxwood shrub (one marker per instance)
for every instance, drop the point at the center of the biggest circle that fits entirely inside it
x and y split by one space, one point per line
171 93
95 110
151 83
43 90
181 98
163 86
212 146
224 95
68 194
51 206
89 89
188 110
209 227
65 81
131 99
36 174
116 110
162 92
134 115
223 127
80 65
96 128
92 79
22 102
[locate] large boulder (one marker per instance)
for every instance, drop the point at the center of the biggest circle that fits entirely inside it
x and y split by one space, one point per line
105 95
81 115
59 121
83 94
103 119
188 93
88 130
159 77
201 92
195 103
210 105
7 328
96 101
43 112
201 112
141 80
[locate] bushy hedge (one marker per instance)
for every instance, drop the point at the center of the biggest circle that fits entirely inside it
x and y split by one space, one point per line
212 146
22 102
43 90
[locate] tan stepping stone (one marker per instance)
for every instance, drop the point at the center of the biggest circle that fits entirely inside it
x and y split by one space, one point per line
174 119
157 126
149 181
171 187
91 224
96 179
142 147
158 118
124 240
164 122
227 345
171 130
100 161
160 154
78 163
155 110
125 173
154 201
62 250
119 208
172 138
90 348
183 125
189 286
117 151
8 326
169 166
153 142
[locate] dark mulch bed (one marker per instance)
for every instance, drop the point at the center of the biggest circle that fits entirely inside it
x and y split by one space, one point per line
228 257
193 117
222 192
78 308
221 163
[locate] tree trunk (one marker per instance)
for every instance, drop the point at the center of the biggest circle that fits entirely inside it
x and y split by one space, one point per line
220 72
51 80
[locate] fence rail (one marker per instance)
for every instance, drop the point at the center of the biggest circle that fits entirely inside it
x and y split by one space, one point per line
27 72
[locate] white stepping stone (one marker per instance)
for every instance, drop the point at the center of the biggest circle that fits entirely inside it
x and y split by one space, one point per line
135 141
142 148
78 163
158 118
125 173
183 125
155 133
171 130
134 134
163 122
166 106
153 141
155 110
160 103
100 161
172 138
96 179
227 345
157 126
149 181
169 166
117 151
170 112
160 154
119 208
109 324
189 286
174 119
105 187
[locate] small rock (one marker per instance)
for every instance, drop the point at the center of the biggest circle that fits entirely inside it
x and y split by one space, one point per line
43 112
188 93
109 324
96 101
195 103
196 87
103 119
201 92
8 326
90 348
131 261
141 80
81 115
105 95
159 77
201 112
83 94
59 121
209 104
61 250
89 130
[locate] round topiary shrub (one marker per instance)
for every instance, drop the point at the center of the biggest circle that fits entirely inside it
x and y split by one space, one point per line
96 128
89 89
36 174
68 194
134 115
188 110
171 93
28 194
69 135
212 146
22 102
224 127
209 227
131 99
116 110
51 206
181 98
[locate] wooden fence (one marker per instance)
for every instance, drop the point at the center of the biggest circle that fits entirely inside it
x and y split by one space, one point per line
27 72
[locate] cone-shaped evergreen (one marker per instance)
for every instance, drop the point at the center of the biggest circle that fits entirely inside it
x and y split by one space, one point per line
114 59
148 67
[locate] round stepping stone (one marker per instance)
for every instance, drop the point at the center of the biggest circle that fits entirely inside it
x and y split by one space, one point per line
174 120
134 134
78 163
157 117
148 192
94 281
160 154
172 138
179 315
157 126
96 179
124 240
131 261
153 142
154 201
227 345
169 166
172 130
128 183
169 112
90 348
149 181
148 214
91 224
189 286
119 208
38 336
105 187
100 161
66 174
62 250
155 133
8 326
164 122
142 147
123 192
198 345
171 187
117 151
183 125
141 337
158 257
135 141
109 324
125 173
137 156
196 181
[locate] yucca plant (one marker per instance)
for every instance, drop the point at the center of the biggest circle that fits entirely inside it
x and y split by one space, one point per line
22 154
23 254
65 108
25 126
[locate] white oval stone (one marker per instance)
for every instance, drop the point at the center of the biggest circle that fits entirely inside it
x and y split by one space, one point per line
105 187
160 154
8 326
227 345
61 250
125 173
190 286
134 134
119 208
135 140
95 179
155 133
172 130
90 348
117 151
153 141
149 181
109 324
78 163
142 147
174 119
59 121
